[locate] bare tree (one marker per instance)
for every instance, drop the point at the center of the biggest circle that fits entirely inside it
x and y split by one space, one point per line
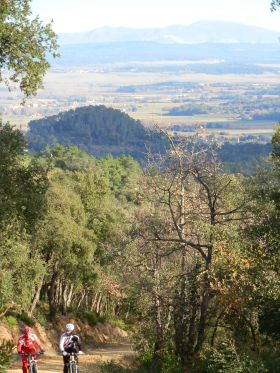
191 203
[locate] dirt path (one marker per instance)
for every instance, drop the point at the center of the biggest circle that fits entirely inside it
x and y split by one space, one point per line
88 363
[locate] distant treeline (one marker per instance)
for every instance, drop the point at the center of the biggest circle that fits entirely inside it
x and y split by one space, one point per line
206 68
243 158
189 110
275 116
157 86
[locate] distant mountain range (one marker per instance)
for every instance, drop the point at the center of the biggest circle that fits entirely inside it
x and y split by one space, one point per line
74 55
199 32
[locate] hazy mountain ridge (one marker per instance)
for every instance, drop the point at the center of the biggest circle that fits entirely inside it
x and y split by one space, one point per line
199 32
128 52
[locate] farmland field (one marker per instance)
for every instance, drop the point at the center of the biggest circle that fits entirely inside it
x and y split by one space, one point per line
233 99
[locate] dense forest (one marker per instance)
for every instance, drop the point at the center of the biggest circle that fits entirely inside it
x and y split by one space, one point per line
98 130
179 251
200 247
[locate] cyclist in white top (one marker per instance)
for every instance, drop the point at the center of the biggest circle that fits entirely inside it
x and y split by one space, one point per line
69 343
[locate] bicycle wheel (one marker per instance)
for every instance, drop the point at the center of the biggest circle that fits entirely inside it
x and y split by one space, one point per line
34 368
73 367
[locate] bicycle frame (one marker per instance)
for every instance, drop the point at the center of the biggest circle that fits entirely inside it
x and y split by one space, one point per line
73 366
32 363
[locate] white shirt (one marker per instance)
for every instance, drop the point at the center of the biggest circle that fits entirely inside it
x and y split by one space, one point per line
66 341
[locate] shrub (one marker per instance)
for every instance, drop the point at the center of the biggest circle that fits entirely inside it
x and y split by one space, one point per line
90 317
41 318
226 359
117 322
26 319
169 363
6 349
271 358
11 320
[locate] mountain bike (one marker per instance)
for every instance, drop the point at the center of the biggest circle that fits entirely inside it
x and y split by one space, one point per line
73 363
32 363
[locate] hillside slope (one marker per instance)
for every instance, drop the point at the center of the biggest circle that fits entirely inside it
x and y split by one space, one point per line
98 130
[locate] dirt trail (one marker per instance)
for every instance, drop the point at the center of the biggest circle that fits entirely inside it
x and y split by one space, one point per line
88 363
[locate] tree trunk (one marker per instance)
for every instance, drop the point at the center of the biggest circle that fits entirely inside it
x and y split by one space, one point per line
203 316
51 295
36 298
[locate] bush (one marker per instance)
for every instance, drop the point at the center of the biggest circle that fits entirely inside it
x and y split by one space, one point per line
11 320
26 319
271 358
117 322
226 359
41 318
90 317
169 363
6 349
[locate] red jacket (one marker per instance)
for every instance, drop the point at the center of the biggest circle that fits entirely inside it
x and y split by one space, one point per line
26 343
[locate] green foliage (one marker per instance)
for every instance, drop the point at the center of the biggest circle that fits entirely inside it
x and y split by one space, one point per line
11 321
19 275
41 318
67 158
117 322
189 110
90 317
24 42
243 158
122 173
22 186
269 319
6 350
22 191
226 359
26 319
270 356
96 129
168 363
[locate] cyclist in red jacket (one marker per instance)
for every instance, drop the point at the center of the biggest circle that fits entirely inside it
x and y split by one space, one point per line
26 345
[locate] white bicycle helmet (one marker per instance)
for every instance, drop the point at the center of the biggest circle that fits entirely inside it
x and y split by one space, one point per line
70 327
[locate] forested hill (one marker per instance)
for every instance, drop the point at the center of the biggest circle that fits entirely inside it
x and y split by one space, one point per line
98 130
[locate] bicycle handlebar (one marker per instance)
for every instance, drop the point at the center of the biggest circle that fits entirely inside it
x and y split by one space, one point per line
29 354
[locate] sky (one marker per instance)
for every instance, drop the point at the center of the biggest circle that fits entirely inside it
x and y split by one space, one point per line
86 15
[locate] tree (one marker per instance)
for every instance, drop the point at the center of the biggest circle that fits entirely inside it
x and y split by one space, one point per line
64 241
22 192
192 212
274 5
24 45
264 237
22 185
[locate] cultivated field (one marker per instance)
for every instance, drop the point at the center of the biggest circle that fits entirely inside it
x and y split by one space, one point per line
149 97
